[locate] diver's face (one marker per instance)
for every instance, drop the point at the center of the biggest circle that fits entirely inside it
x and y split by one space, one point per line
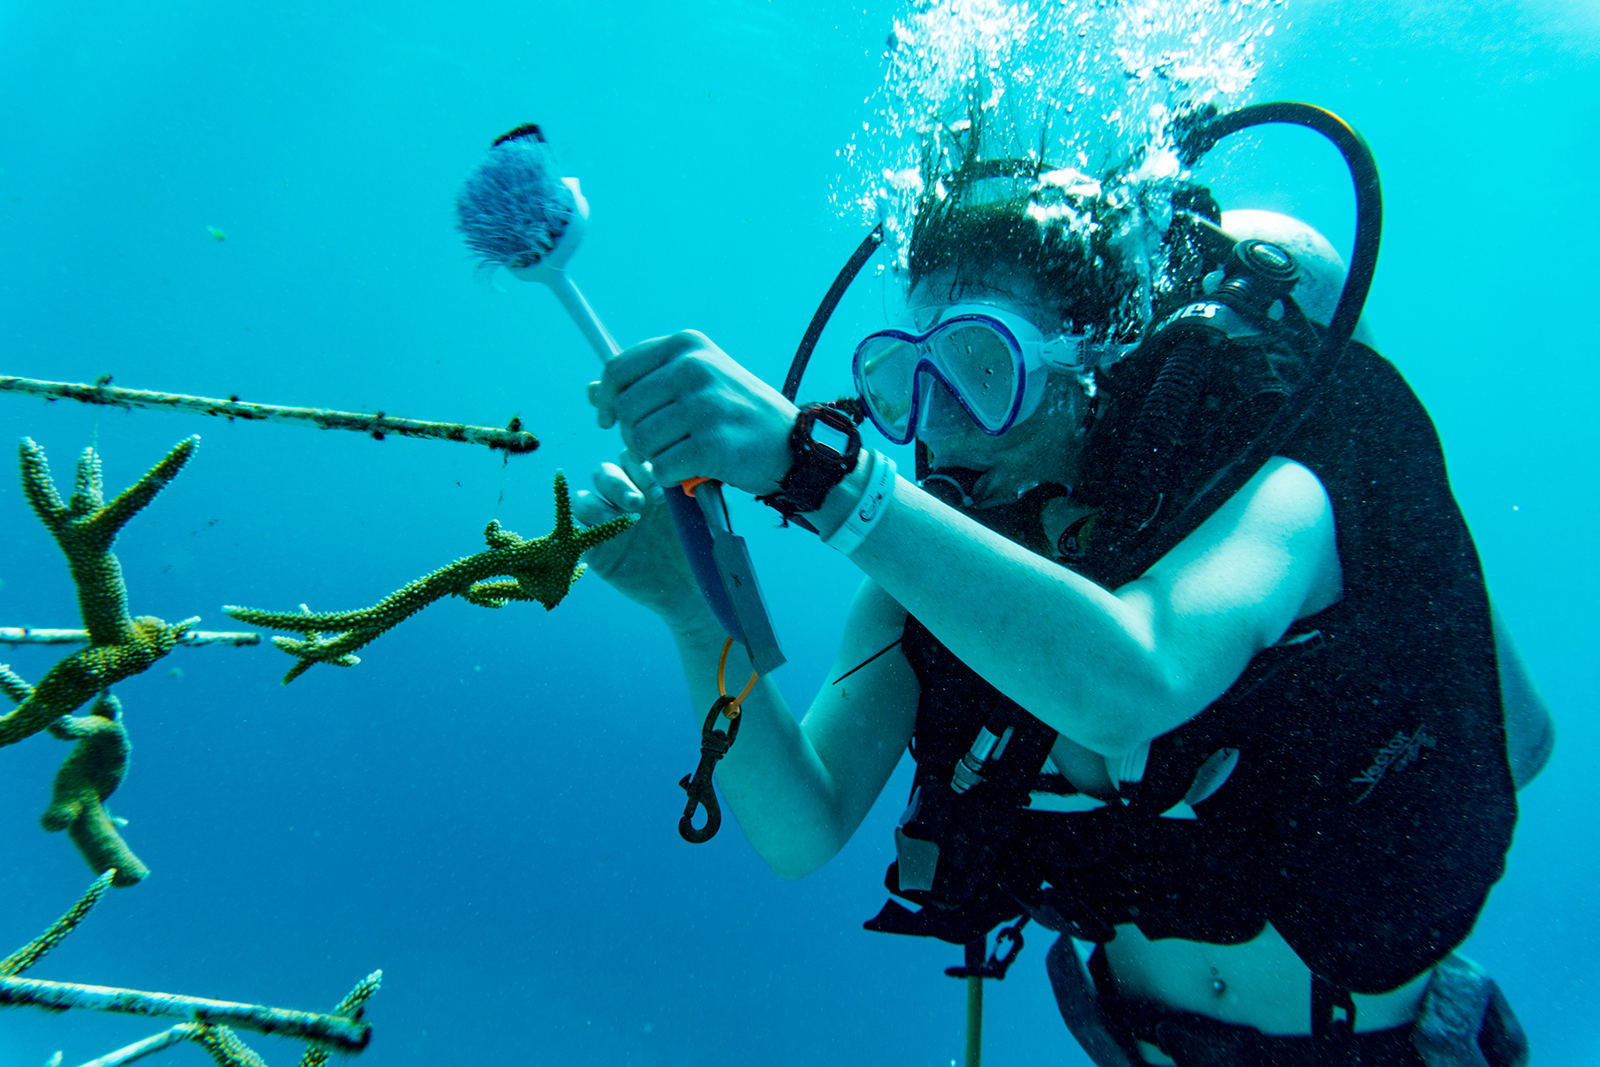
1046 446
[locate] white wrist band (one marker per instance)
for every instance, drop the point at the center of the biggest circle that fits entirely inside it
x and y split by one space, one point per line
865 512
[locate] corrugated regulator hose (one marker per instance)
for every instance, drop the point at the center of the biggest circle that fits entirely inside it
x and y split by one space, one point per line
1142 470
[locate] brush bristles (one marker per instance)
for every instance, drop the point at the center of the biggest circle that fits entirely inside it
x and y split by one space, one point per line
514 208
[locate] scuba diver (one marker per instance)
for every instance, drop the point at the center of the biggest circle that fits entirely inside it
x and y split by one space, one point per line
1184 631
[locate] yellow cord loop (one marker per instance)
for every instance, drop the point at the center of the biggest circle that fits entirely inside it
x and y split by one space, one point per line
731 709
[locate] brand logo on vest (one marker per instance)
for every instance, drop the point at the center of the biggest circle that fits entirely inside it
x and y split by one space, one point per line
1401 751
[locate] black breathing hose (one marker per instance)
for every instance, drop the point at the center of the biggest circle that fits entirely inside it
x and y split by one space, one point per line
1139 478
802 355
1363 175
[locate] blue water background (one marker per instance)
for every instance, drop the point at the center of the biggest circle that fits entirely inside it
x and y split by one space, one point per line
486 806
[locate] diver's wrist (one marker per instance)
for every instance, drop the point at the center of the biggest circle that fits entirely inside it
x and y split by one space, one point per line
837 503
695 625
823 447
852 509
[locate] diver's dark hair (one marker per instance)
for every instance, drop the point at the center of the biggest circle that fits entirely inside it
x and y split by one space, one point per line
1064 239
1060 238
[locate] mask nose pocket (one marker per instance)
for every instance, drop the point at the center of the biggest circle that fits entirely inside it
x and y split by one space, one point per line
939 413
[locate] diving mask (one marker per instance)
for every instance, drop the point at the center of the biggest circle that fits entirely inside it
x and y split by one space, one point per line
993 361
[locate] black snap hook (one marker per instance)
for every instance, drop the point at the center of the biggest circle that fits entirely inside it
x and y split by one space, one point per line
1010 937
714 744
699 797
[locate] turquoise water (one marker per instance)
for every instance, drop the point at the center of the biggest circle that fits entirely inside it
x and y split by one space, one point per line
486 806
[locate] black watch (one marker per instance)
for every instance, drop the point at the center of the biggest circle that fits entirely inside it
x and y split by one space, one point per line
825 445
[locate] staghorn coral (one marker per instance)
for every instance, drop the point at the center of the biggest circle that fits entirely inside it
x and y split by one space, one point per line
225 1046
353 1006
86 525
89 774
512 568
13 686
96 766
120 646
34 950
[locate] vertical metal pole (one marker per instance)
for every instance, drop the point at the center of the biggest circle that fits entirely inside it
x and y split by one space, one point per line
974 1021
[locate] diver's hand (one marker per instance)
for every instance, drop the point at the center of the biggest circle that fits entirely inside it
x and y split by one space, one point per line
645 563
687 408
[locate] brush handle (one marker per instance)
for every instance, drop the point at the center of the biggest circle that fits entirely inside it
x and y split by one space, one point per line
566 291
694 515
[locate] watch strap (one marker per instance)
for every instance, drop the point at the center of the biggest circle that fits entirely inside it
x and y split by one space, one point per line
824 446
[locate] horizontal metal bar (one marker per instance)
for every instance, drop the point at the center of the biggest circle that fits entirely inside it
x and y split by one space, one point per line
35 635
512 439
333 1031
140 1049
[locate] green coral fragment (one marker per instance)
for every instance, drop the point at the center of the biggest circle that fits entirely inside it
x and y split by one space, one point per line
225 1046
34 950
90 773
86 525
512 568
96 766
120 646
353 1006
13 686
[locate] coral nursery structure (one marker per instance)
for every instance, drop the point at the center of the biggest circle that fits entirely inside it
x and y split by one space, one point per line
119 646
208 1023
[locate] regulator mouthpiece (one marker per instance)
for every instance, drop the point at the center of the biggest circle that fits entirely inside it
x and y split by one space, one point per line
516 211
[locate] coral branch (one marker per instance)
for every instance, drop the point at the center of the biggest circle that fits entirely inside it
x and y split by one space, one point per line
512 568
13 686
97 765
34 950
80 676
351 1007
85 528
226 1048
332 1031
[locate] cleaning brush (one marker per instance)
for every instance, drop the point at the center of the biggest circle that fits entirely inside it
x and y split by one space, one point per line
517 212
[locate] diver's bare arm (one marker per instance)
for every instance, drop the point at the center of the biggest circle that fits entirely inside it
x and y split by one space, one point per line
800 789
1110 670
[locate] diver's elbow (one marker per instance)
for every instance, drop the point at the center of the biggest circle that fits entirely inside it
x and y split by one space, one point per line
1116 721
792 868
1111 736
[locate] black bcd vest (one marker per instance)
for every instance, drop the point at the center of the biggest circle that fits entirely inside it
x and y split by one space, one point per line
1351 787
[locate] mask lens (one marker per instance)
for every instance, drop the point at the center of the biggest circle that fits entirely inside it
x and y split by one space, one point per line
982 367
884 368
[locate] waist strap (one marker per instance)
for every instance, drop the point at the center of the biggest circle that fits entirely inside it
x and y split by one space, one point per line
1464 1021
